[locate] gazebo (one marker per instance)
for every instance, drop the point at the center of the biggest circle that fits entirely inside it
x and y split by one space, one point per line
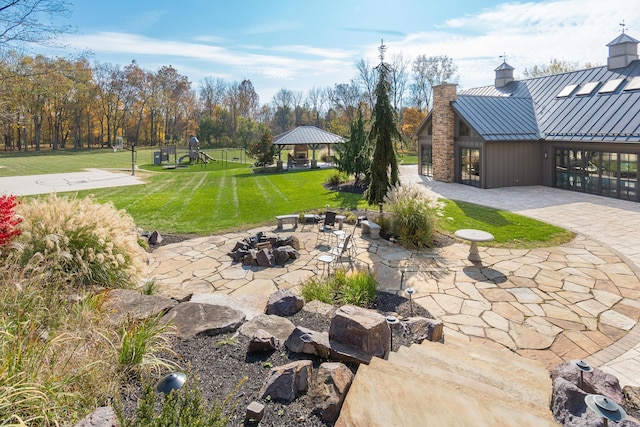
302 138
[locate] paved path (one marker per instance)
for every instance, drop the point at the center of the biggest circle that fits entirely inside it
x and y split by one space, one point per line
550 304
63 182
613 224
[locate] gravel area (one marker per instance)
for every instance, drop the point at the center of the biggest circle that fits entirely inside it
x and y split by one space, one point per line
221 362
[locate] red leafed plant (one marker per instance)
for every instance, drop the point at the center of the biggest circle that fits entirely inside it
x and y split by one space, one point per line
8 219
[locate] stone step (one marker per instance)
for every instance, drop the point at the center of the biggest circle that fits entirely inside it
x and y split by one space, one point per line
524 379
526 392
459 383
386 394
489 350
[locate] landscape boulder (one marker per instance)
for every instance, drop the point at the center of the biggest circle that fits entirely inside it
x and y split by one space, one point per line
364 332
263 258
285 383
193 319
277 326
122 304
155 238
262 341
304 340
329 389
594 382
104 416
284 303
631 401
422 328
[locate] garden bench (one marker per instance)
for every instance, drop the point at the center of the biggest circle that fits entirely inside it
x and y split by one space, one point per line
370 227
290 219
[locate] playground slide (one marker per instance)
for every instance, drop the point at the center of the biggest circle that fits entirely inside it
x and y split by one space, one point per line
206 157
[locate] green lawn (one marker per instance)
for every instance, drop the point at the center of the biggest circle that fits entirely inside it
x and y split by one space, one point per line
204 199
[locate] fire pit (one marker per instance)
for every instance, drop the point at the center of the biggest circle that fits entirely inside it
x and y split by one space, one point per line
263 251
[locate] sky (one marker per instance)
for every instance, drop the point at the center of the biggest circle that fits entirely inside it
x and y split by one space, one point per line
298 44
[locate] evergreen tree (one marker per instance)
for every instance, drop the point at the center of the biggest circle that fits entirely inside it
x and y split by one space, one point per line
263 149
384 165
354 155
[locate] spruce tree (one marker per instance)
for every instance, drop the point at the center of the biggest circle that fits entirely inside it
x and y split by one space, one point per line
384 165
354 155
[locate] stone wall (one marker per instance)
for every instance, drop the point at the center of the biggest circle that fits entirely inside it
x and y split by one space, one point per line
443 132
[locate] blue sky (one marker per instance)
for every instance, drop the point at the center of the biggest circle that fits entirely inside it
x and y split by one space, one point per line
301 44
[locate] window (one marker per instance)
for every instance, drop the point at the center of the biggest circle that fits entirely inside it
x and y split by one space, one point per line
610 86
566 91
587 88
427 160
470 166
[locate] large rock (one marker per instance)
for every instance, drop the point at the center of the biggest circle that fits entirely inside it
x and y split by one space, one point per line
122 304
631 400
364 331
192 319
279 327
284 303
422 328
251 305
595 382
283 254
101 417
287 382
263 258
262 341
304 340
329 389
568 406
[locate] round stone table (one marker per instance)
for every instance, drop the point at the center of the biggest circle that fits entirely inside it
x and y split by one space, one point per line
474 236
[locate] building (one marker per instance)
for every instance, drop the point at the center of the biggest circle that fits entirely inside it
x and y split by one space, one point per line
577 130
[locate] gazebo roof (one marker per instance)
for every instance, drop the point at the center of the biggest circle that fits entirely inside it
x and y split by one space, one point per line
307 135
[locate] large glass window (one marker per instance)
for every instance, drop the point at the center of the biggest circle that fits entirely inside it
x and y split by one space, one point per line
604 173
470 166
427 160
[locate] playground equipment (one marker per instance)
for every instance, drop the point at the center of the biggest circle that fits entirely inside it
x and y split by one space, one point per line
175 156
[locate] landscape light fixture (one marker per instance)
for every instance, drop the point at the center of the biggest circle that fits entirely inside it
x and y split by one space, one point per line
391 320
410 292
582 367
173 381
607 408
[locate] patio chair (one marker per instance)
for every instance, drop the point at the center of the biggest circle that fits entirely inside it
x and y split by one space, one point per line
342 251
326 226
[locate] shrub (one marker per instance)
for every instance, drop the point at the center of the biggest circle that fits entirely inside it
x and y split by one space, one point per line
358 288
184 407
336 178
80 242
8 219
140 342
414 215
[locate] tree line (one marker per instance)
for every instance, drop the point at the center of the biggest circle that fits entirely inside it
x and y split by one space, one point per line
71 103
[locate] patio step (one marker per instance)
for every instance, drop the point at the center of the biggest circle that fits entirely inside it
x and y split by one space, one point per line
458 383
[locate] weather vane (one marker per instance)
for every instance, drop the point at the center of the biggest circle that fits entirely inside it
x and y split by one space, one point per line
622 25
504 57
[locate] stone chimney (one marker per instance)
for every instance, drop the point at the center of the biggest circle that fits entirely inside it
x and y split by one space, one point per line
443 131
504 74
622 51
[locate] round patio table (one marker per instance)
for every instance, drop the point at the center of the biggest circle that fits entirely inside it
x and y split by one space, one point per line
474 236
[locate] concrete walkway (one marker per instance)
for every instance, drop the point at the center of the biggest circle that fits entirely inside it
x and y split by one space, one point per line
555 304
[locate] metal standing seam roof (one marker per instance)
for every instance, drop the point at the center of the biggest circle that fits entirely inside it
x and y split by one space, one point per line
307 135
503 114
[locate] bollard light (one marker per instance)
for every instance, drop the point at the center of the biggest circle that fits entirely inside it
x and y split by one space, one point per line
410 292
605 407
582 367
391 320
173 381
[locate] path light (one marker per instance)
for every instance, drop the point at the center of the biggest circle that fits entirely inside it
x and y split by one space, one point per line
410 291
173 381
582 367
607 408
391 320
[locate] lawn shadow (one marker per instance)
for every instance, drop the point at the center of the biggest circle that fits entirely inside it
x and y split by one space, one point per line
487 216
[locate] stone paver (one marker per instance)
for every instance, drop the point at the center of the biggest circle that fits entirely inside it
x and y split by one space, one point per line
577 300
